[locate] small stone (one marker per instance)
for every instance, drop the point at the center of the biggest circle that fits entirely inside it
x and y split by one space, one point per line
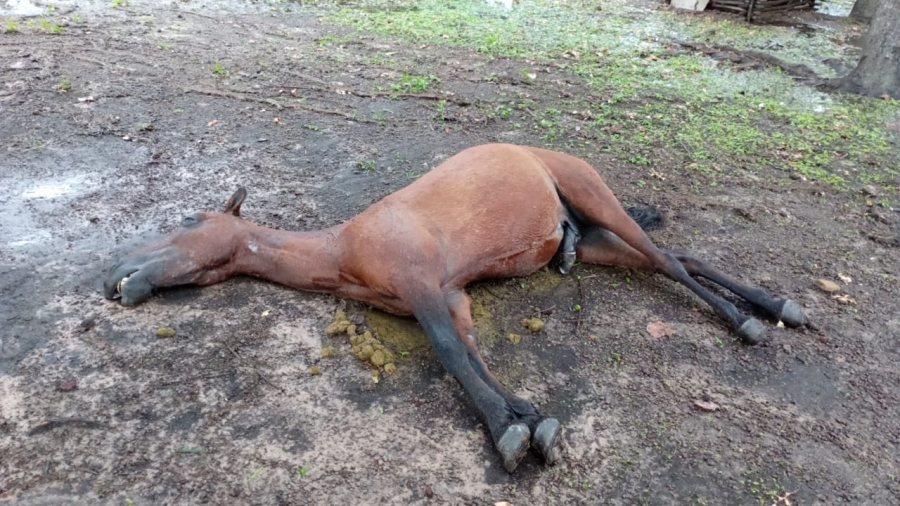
533 324
87 324
165 332
828 286
870 190
514 338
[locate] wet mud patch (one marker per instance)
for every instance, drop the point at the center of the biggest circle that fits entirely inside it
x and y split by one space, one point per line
813 388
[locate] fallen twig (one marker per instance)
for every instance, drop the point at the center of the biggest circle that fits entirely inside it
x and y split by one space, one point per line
261 375
81 423
420 96
288 105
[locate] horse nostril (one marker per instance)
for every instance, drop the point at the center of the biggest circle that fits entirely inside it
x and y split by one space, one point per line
188 220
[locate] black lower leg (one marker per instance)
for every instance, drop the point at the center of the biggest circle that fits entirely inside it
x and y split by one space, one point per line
523 410
749 329
511 437
785 310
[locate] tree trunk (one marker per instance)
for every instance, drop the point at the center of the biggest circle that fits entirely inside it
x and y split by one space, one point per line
864 9
878 71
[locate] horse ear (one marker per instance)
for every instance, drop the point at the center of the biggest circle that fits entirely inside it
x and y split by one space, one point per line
233 205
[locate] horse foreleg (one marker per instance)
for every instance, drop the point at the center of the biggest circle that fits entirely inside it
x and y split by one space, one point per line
546 432
510 433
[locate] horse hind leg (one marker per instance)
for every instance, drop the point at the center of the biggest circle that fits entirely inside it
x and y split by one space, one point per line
600 246
784 310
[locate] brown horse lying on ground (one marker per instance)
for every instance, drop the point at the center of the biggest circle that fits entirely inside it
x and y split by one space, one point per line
491 211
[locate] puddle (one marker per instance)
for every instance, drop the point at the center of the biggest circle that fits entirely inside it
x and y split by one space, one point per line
47 191
835 7
22 8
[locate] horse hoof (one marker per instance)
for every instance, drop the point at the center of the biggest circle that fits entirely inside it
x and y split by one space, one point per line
752 331
513 445
792 314
546 439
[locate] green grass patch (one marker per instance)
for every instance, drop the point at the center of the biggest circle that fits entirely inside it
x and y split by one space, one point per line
658 99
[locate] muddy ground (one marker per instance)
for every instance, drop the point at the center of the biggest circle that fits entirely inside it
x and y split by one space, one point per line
113 129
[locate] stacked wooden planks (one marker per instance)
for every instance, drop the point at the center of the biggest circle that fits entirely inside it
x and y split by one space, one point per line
754 8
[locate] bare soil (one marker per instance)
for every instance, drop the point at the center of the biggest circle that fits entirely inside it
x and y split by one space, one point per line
115 128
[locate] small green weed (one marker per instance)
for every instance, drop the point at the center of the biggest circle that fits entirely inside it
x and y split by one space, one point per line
64 84
49 26
220 70
10 26
118 3
366 166
413 83
255 474
442 110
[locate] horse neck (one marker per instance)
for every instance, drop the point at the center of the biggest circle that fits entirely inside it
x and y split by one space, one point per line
302 260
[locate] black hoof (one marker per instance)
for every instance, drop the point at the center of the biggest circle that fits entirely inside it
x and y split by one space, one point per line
752 331
792 314
546 440
513 445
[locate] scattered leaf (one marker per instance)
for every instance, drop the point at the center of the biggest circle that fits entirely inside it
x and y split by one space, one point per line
708 406
86 99
845 278
886 96
67 386
375 376
828 286
503 503
213 122
660 329
844 299
264 313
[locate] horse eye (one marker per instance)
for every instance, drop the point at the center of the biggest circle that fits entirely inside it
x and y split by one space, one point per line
189 220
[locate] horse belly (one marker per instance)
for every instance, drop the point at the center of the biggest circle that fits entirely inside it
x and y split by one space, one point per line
520 262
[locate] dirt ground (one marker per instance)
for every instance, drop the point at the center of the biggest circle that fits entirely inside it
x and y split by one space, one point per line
132 117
